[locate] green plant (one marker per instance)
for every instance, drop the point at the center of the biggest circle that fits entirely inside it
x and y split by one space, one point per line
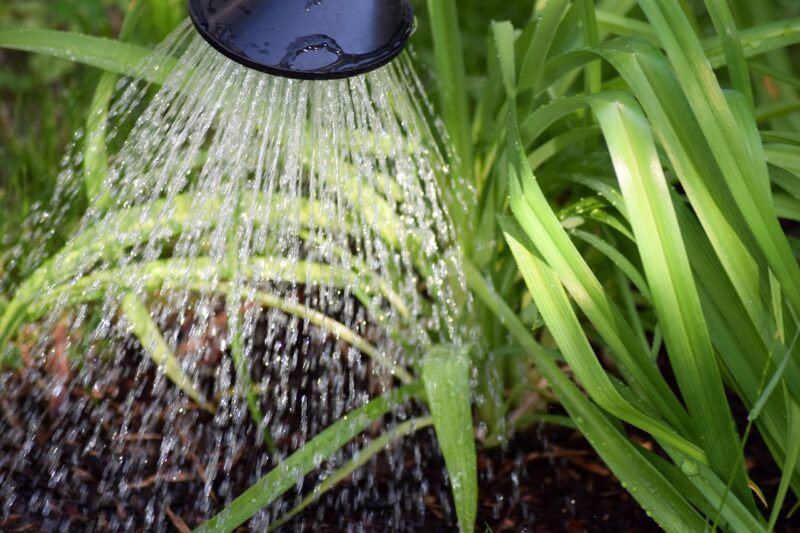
704 274
630 181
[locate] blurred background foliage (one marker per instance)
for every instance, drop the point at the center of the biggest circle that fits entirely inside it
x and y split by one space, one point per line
44 101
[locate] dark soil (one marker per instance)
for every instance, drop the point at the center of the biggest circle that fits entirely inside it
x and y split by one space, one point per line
546 480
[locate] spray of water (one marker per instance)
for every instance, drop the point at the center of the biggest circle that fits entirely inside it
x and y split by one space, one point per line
263 255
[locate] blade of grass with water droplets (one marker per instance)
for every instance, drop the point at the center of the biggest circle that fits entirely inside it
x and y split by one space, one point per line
657 89
96 245
143 327
284 476
362 457
446 375
95 160
648 486
449 54
534 58
731 150
737 340
669 275
555 307
541 225
655 85
155 275
757 40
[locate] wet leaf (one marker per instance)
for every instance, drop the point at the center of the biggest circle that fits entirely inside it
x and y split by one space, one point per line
156 347
446 374
284 476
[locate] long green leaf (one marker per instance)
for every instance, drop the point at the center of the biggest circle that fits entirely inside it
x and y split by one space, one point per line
723 21
362 457
732 151
669 275
541 225
143 327
95 158
562 323
757 40
648 486
107 54
446 374
657 89
96 245
284 476
534 59
449 53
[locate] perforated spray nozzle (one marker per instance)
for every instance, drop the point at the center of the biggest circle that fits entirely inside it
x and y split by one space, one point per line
306 39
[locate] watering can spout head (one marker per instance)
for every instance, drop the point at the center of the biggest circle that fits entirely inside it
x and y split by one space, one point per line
306 39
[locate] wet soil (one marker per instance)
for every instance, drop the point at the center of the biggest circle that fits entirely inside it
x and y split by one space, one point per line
547 479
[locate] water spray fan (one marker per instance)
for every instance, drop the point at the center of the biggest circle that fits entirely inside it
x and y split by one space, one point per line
274 252
306 39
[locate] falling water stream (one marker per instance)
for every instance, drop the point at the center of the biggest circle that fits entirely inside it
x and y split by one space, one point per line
277 249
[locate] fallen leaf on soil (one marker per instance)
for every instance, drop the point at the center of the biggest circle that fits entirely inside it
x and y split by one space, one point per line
57 366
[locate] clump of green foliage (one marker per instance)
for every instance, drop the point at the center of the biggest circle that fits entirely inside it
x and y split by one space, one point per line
642 175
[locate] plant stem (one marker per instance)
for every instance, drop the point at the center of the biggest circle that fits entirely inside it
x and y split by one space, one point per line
448 50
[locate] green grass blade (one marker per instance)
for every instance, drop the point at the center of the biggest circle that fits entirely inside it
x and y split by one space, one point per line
648 486
624 264
669 274
739 517
143 327
745 353
107 54
446 374
787 207
503 33
654 84
622 26
757 40
96 245
449 52
284 476
658 90
541 225
731 150
167 273
556 145
95 158
788 467
556 309
591 37
732 47
361 458
534 59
